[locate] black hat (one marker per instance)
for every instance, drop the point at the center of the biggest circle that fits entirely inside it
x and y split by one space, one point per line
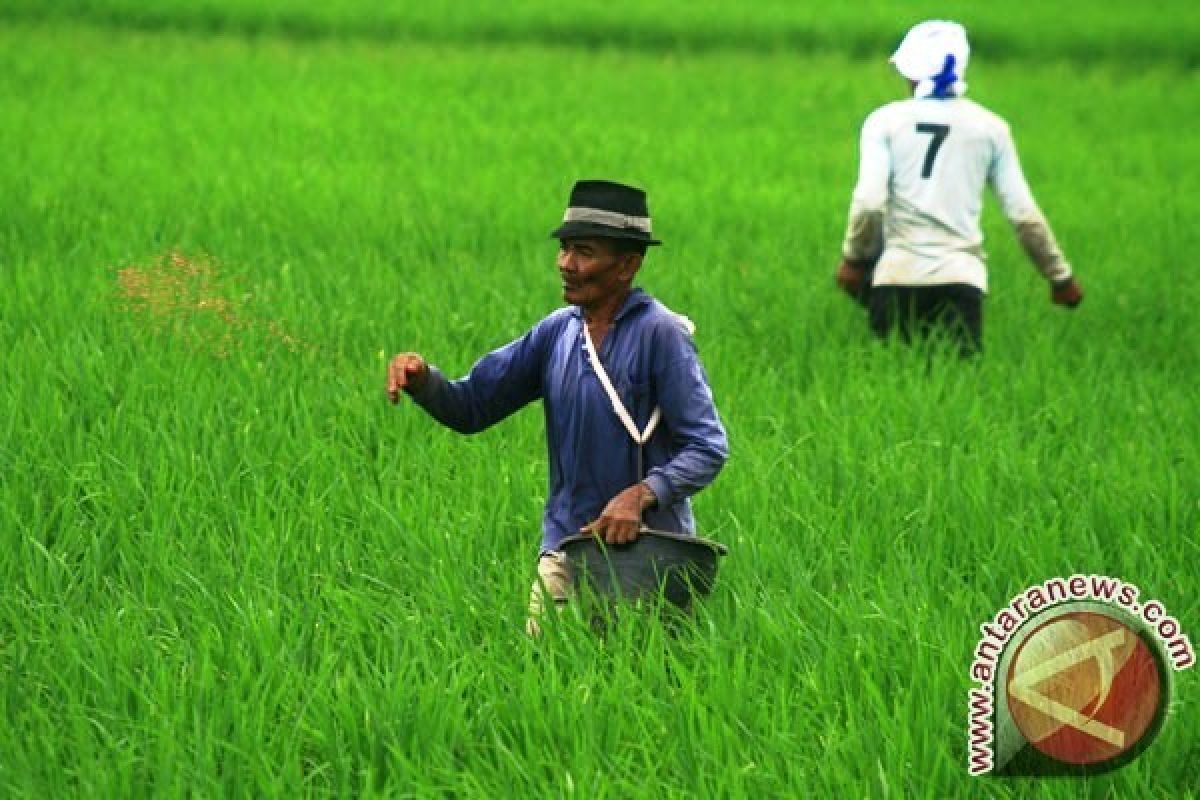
607 210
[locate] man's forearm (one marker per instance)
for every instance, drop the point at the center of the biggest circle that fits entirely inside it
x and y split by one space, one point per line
1037 240
863 243
691 470
447 403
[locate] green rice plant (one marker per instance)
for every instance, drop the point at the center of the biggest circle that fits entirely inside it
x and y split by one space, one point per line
233 569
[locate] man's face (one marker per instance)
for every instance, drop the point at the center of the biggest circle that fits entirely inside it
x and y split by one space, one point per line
594 272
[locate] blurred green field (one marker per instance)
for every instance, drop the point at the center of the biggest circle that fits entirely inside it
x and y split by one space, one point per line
1070 29
234 570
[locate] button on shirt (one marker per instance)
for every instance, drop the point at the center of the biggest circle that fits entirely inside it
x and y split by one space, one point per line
651 360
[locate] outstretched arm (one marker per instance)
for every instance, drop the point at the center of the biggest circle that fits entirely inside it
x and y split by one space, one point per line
498 384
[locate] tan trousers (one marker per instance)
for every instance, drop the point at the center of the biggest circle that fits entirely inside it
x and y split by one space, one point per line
553 586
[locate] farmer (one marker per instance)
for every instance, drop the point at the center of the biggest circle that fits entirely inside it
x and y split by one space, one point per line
914 216
630 434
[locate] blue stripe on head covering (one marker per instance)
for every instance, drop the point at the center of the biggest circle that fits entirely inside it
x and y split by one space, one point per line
945 79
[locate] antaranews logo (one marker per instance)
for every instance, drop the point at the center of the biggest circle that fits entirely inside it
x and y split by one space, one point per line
1074 677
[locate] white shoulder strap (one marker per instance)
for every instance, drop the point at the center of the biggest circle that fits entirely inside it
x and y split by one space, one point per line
638 436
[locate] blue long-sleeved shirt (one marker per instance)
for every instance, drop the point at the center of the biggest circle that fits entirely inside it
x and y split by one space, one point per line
651 360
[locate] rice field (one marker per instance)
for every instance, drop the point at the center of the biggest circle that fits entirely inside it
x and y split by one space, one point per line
233 569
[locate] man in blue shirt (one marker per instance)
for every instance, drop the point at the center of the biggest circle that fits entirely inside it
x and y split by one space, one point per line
629 438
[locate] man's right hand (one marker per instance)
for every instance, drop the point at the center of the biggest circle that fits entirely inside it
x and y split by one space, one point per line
854 279
407 372
850 277
1068 293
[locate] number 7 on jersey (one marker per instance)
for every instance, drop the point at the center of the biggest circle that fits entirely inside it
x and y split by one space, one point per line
938 132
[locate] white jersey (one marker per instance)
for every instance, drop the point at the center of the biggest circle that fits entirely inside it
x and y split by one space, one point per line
923 167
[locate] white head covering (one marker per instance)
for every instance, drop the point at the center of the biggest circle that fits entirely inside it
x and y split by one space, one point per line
934 54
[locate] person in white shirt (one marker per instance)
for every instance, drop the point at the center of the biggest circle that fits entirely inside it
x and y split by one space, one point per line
913 250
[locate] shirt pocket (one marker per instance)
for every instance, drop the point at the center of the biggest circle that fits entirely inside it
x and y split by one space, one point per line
636 395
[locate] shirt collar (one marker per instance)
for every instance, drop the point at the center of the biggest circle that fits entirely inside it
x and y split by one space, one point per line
636 299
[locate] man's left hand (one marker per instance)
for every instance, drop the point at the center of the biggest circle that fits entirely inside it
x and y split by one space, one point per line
621 519
1067 293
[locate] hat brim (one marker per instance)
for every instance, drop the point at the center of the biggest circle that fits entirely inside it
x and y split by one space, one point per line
592 230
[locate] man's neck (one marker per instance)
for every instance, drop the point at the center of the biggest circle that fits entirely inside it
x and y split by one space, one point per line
603 314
